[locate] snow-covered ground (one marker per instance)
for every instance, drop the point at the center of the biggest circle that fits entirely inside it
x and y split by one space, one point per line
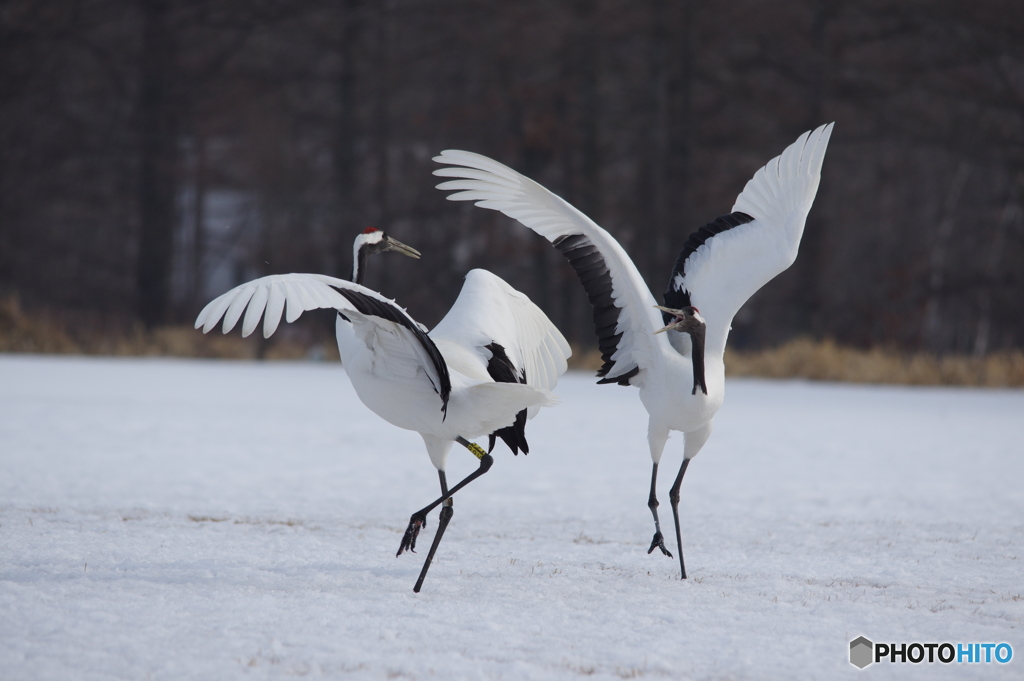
168 519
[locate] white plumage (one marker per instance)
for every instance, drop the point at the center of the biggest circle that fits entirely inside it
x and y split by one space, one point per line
443 384
681 374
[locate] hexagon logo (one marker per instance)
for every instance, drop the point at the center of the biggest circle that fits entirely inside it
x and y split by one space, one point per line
862 652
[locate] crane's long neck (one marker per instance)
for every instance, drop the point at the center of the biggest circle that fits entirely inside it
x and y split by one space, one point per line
689 326
358 263
697 358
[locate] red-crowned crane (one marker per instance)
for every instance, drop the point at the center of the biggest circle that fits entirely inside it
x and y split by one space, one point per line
681 373
490 364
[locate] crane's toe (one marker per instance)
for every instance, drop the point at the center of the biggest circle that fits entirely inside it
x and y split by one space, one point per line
417 522
659 543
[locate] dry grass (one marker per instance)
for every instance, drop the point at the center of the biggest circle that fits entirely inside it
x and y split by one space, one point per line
801 358
827 361
20 332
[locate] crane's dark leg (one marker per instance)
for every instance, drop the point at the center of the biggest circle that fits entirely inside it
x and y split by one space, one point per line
652 503
419 518
673 496
447 511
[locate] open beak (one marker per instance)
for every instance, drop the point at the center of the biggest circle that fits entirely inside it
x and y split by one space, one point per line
670 326
679 318
399 247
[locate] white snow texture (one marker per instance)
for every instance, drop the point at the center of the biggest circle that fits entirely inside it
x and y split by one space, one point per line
171 519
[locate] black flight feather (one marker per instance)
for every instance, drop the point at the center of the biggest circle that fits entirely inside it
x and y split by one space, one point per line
593 272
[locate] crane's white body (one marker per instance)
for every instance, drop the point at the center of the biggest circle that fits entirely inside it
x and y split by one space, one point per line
391 366
719 276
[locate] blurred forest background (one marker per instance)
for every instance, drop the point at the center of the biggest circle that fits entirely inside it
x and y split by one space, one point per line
154 153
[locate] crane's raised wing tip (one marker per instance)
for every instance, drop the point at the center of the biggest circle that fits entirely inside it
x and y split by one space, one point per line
204 315
451 155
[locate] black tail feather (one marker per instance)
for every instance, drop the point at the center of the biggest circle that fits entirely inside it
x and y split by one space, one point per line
514 436
502 370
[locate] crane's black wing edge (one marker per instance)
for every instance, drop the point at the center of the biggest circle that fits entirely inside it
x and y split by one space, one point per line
369 305
593 273
676 296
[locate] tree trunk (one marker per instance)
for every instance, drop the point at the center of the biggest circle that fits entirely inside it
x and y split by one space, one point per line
158 164
346 131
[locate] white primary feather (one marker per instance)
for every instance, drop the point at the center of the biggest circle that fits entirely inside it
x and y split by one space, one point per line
268 295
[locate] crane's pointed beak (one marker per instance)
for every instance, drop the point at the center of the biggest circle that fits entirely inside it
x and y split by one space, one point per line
679 318
399 247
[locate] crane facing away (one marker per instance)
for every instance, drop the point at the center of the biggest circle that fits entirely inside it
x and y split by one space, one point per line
674 356
486 368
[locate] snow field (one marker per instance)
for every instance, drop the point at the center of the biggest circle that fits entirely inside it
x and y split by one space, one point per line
171 519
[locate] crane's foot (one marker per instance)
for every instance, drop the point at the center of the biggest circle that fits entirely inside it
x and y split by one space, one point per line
658 543
417 522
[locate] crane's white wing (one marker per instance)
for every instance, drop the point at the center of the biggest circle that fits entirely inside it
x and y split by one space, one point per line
301 292
292 294
725 262
624 314
487 312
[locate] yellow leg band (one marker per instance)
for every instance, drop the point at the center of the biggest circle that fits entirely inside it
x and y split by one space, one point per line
476 450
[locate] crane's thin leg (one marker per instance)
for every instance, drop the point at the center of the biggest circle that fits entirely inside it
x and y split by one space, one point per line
652 503
673 496
419 518
447 511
